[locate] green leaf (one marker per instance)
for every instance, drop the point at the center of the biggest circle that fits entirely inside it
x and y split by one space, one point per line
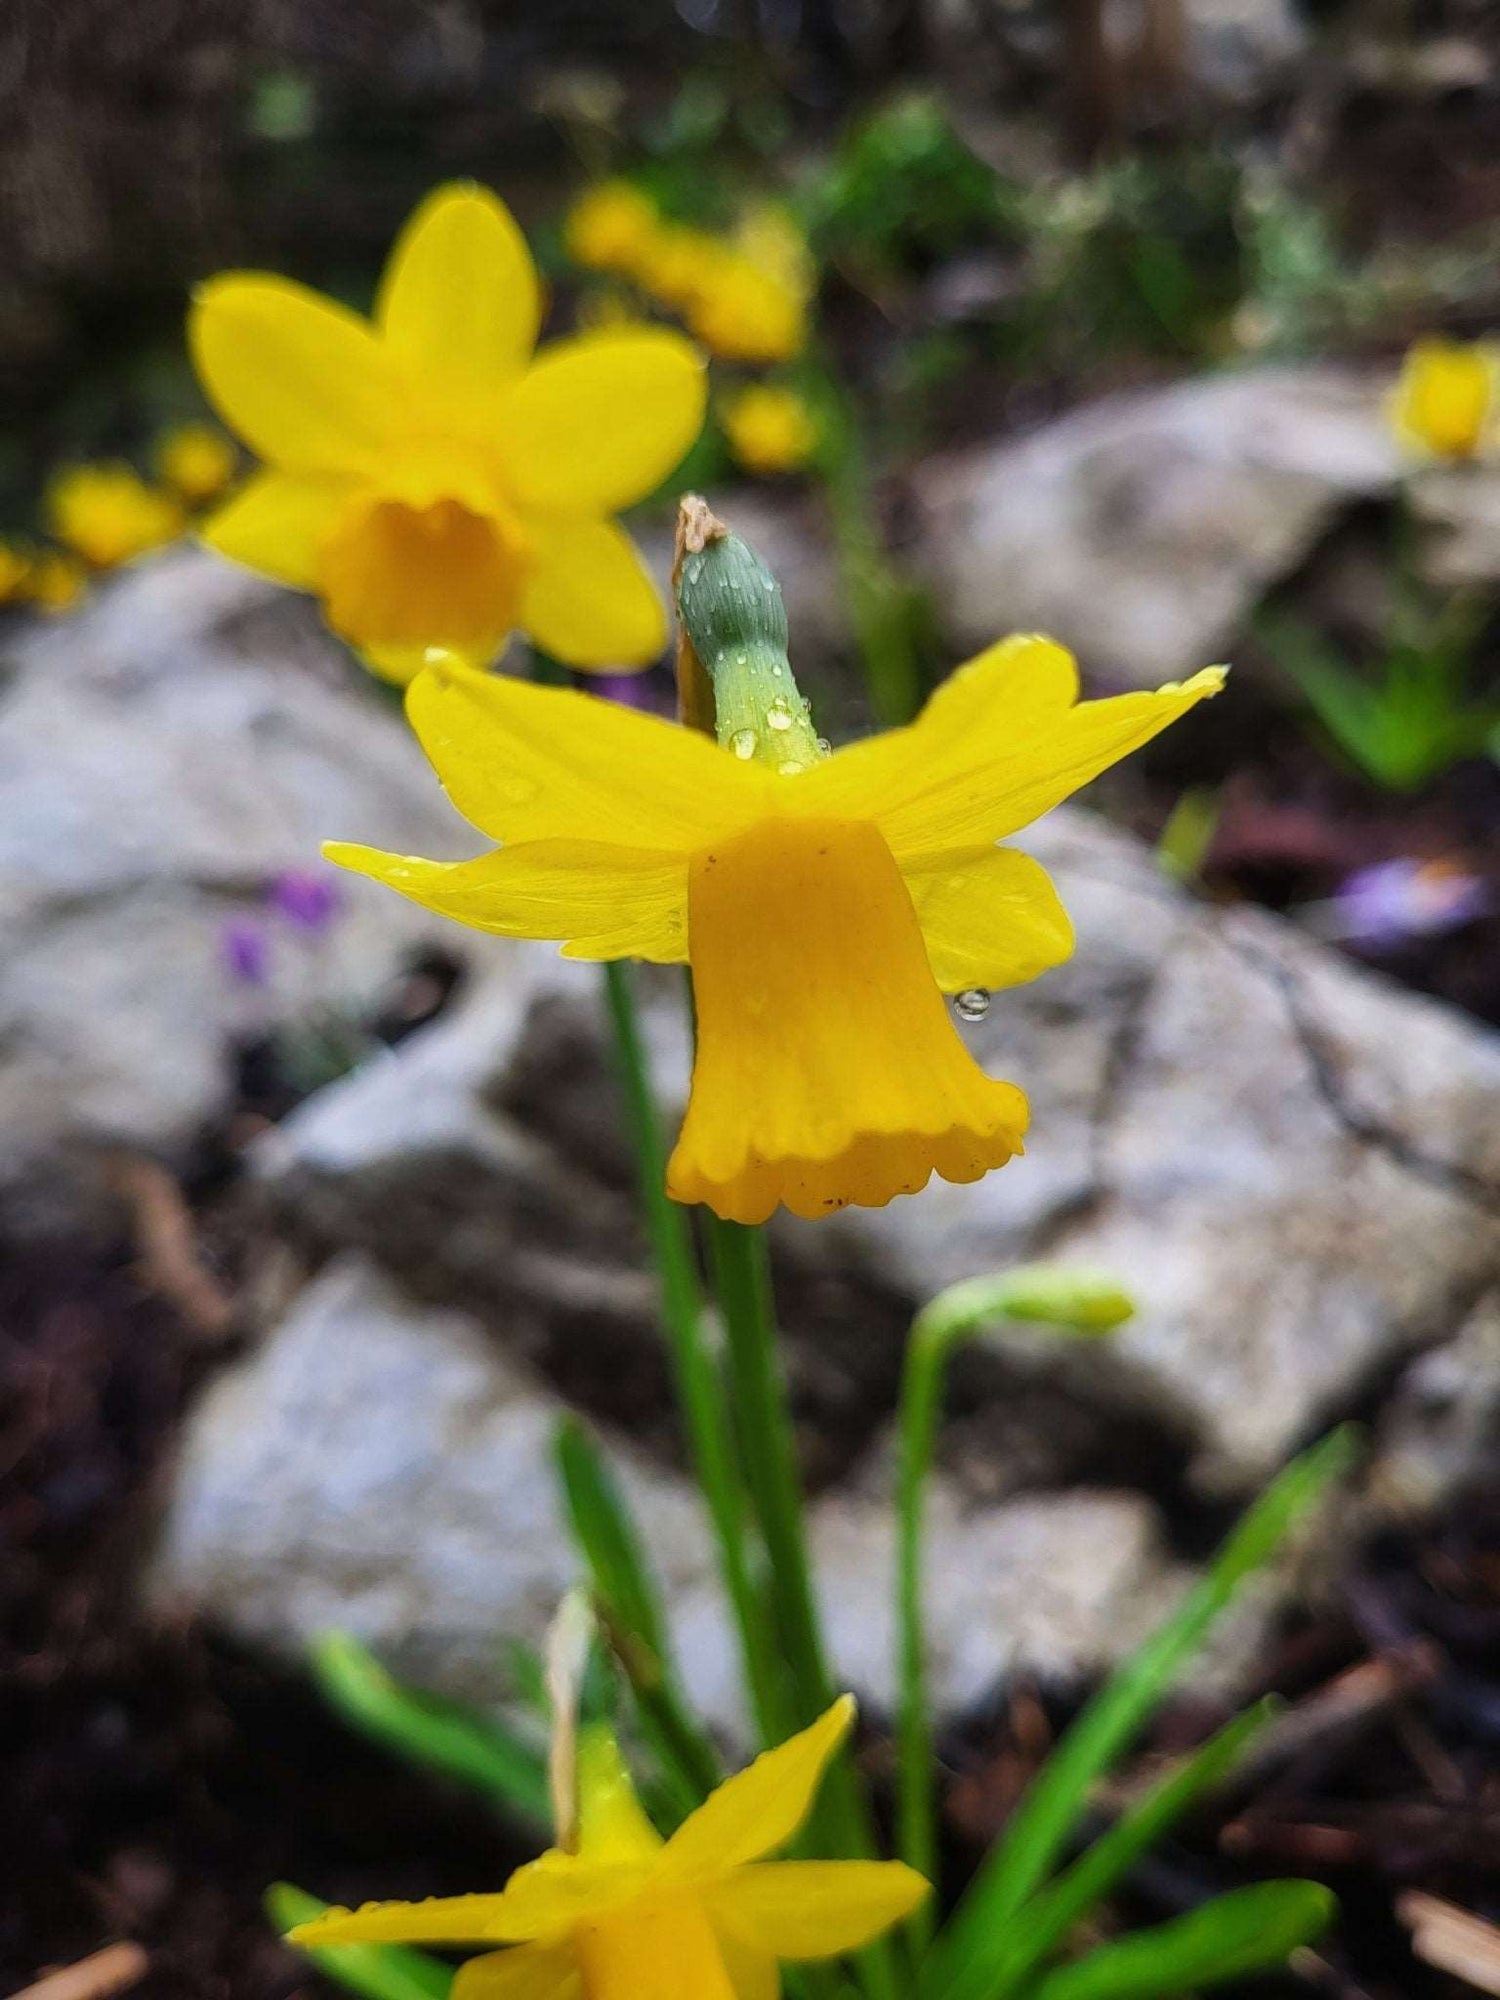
631 1615
378 1971
1249 1930
1049 1814
429 1730
1052 1913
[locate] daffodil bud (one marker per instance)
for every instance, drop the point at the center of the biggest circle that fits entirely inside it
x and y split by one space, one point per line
732 614
1070 1296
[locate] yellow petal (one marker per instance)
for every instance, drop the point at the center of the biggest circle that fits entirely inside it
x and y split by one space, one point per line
662 1948
439 1920
612 1823
590 600
828 1069
753 1974
815 1909
759 1808
303 381
459 302
597 900
278 523
601 419
525 1972
990 918
991 753
539 763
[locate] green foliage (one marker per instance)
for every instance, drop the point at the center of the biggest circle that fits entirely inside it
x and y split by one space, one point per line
429 1730
904 191
1249 1930
1412 718
375 1971
1010 1888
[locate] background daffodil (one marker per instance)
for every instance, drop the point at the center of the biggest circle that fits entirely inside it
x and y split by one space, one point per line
1447 399
627 1916
825 907
428 478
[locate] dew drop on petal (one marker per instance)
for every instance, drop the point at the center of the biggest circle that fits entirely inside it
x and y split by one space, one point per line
742 743
972 1004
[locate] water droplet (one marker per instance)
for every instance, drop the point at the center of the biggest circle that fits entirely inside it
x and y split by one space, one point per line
825 748
790 768
777 669
972 1004
778 716
741 659
695 569
769 582
742 743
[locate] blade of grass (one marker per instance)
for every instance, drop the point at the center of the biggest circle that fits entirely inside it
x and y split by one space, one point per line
1249 1930
377 1971
442 1735
632 1617
1049 1916
1051 1810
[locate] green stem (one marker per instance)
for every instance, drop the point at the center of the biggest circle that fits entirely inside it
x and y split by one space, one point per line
1079 1300
742 1277
700 1393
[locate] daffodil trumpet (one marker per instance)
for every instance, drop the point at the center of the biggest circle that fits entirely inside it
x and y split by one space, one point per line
614 1912
825 901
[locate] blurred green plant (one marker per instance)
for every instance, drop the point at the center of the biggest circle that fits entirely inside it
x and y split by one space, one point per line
1415 715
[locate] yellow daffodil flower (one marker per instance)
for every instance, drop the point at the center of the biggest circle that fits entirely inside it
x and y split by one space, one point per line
624 1915
611 228
196 461
744 311
825 906
1447 398
432 482
15 571
770 428
56 581
677 263
109 515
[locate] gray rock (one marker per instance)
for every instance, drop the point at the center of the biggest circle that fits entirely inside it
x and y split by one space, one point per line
387 1469
1295 1164
1142 529
164 753
1441 1429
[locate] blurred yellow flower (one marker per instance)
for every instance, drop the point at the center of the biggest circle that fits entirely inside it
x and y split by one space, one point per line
1447 397
56 581
609 306
610 228
676 264
770 428
743 311
624 1915
15 570
109 515
431 481
825 908
197 462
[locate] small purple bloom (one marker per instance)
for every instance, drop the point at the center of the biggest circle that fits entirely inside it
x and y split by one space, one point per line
245 951
1387 904
307 899
653 694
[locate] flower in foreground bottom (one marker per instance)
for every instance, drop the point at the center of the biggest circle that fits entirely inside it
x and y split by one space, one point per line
628 1916
825 908
433 482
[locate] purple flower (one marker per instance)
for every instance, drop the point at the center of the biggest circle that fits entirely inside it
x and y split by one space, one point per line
307 899
653 694
1390 902
245 951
